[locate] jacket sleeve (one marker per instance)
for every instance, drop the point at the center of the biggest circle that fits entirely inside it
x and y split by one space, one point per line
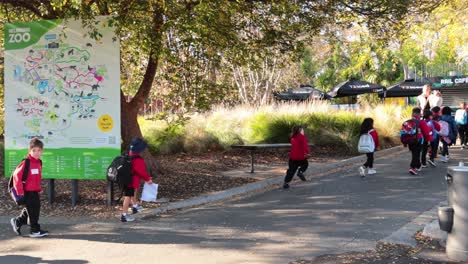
140 169
306 146
375 137
425 131
18 178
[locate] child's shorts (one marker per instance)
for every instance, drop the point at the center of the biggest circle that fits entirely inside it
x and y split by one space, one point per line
129 191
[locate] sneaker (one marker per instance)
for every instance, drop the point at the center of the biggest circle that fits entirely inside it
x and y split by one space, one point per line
433 164
419 169
285 186
362 171
424 165
40 233
15 226
413 171
443 159
371 171
126 218
301 176
134 210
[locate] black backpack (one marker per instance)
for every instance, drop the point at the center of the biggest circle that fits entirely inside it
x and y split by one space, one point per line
120 170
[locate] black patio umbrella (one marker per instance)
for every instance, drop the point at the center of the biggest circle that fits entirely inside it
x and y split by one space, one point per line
355 87
300 94
403 89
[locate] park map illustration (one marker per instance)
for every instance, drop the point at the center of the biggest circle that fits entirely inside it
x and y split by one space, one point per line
67 87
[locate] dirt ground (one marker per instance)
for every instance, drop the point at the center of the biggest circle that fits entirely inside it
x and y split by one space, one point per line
180 176
386 254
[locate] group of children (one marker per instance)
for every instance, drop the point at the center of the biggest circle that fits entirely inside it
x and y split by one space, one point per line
28 191
430 124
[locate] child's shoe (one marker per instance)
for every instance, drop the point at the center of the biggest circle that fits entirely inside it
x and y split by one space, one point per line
433 164
443 159
126 218
362 171
16 227
413 171
285 185
301 176
371 171
424 165
40 233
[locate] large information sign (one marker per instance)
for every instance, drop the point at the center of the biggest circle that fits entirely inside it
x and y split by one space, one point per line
62 87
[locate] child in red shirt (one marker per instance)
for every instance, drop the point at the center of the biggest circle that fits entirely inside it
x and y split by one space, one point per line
30 190
138 172
298 156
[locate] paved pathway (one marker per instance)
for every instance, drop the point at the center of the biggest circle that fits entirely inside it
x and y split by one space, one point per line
329 214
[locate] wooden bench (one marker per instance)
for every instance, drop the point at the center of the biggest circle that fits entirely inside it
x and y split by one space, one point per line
254 147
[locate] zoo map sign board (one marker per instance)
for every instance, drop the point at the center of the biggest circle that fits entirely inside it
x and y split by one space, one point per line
64 88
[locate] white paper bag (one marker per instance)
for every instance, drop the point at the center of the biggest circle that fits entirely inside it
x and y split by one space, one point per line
150 192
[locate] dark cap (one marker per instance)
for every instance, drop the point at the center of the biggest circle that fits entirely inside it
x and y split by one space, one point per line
138 145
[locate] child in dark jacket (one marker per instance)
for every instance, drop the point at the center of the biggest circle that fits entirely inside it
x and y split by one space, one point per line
367 126
138 172
30 190
298 156
453 131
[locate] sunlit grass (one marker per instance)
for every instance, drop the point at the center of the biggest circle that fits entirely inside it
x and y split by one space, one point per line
243 124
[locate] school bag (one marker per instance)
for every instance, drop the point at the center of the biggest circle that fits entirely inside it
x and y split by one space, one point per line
120 170
366 143
444 128
410 132
18 199
461 117
430 123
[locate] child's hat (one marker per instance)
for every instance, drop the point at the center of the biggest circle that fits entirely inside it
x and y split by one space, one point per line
138 145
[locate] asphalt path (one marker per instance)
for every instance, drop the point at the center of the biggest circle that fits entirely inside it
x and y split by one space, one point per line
335 213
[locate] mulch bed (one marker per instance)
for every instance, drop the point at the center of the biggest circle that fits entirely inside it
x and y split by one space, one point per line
180 176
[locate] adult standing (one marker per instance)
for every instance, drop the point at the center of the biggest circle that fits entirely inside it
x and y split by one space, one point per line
435 99
426 97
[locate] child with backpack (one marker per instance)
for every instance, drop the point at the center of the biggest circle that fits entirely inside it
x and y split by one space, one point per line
139 172
434 127
367 127
29 190
448 132
461 119
297 156
413 133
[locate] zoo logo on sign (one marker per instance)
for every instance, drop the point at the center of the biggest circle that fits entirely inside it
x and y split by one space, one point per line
18 35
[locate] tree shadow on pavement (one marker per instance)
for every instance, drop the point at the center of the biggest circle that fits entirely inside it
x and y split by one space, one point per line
22 259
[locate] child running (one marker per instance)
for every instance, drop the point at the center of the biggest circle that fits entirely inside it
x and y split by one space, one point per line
298 156
367 127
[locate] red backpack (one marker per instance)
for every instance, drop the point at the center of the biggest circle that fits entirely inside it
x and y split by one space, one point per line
410 132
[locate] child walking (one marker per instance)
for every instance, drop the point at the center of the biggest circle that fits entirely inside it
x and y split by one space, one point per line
367 127
298 156
453 131
30 190
139 172
423 134
434 127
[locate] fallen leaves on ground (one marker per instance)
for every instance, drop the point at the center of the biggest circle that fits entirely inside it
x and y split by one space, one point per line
180 176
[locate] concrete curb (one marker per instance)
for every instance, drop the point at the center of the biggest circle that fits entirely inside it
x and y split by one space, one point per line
404 235
256 186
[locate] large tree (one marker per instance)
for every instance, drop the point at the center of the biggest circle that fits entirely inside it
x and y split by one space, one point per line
153 31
